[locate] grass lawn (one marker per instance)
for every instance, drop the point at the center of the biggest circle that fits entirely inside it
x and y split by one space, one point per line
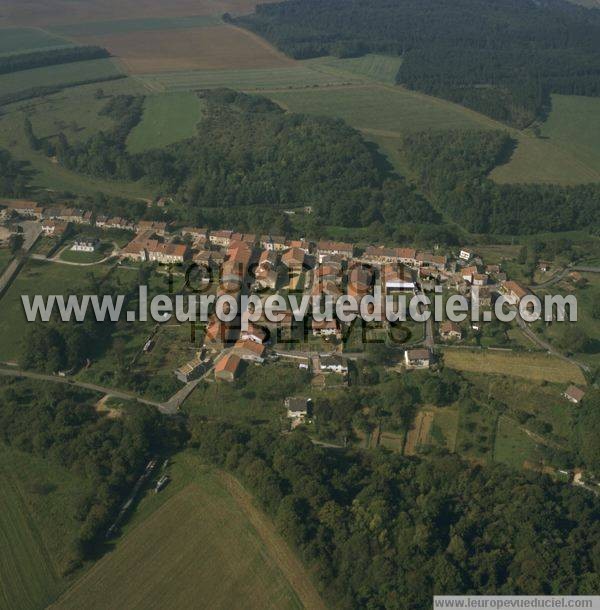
167 118
36 277
19 40
71 256
199 543
37 523
513 445
534 366
258 393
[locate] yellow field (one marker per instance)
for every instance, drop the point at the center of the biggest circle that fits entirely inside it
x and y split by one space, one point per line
537 366
203 544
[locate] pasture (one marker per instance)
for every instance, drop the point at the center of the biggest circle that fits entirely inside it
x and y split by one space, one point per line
37 525
63 74
535 365
167 118
204 48
36 277
19 40
382 68
199 543
513 446
568 151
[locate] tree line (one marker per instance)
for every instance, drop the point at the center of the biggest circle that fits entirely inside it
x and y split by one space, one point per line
500 57
14 175
50 57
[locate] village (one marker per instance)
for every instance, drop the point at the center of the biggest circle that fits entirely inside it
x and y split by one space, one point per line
226 262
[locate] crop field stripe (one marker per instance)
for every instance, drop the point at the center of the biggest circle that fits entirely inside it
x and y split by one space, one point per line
22 40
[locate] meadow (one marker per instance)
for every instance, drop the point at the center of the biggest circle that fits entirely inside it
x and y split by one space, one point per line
18 40
63 74
513 446
200 542
167 118
36 277
5 258
535 365
37 523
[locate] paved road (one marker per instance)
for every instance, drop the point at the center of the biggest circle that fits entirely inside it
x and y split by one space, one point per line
31 232
560 275
167 408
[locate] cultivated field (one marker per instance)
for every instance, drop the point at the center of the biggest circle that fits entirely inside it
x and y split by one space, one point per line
535 366
37 524
200 543
167 118
18 40
205 48
63 74
121 26
62 12
289 77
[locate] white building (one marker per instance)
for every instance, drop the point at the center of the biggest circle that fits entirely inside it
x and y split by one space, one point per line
85 245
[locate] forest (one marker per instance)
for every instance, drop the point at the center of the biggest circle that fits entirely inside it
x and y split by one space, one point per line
50 57
500 57
14 175
452 168
61 425
252 154
381 530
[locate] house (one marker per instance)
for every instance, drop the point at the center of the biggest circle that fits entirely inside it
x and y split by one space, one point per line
254 333
574 394
431 260
85 245
134 250
465 255
268 259
23 207
397 279
479 279
166 253
293 259
266 278
301 244
359 282
54 228
514 292
273 242
199 236
334 247
217 333
228 368
250 350
417 358
326 328
123 224
450 331
468 272
158 228
298 408
190 370
334 364
544 266
220 238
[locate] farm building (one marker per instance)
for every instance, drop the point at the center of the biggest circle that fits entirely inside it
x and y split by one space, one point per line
574 394
417 358
85 245
228 368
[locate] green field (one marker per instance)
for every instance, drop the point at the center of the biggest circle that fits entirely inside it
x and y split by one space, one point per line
36 277
167 119
293 77
5 258
382 68
37 524
122 26
63 74
74 112
513 445
18 40
199 543
567 153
